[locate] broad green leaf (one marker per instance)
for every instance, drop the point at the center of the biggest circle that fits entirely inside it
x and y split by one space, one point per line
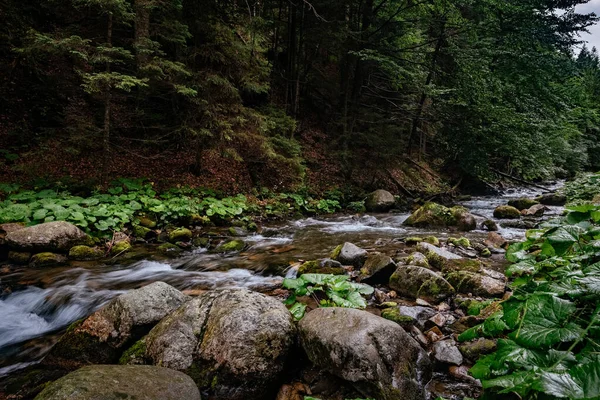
298 310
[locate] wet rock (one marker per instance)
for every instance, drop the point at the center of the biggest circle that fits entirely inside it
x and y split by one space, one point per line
377 269
19 257
85 253
463 264
394 314
495 240
418 313
237 231
120 247
507 212
412 240
523 203
417 259
112 382
419 282
102 337
169 249
432 240
534 211
465 221
369 220
147 222
233 343
180 235
349 254
476 283
433 215
325 266
490 225
462 241
58 236
141 232
553 199
232 245
380 201
47 259
445 351
436 256
475 349
296 391
376 355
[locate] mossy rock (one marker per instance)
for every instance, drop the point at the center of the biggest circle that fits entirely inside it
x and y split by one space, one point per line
47 259
252 227
477 348
431 215
413 240
460 242
19 257
432 240
335 253
180 235
135 355
393 314
417 259
463 264
476 283
141 232
418 282
507 212
85 253
197 219
120 247
377 269
147 222
523 203
200 242
232 245
486 253
490 225
325 266
169 249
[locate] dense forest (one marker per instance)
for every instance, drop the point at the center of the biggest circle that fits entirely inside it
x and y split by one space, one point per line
280 94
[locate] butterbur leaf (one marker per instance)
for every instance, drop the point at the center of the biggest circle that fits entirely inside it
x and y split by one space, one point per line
511 382
298 310
562 239
483 367
545 322
292 283
581 382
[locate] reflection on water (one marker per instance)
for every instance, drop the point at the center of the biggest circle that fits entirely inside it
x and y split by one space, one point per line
52 298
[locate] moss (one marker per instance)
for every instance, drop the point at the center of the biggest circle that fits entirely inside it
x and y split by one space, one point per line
200 242
120 247
462 241
147 222
393 314
336 252
141 231
413 240
135 354
233 245
417 259
252 227
432 240
196 219
85 253
169 249
318 267
486 253
507 212
89 241
463 264
46 259
474 350
523 203
432 215
180 235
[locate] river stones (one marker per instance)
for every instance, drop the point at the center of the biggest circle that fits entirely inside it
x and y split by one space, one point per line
233 343
349 254
522 203
446 352
436 256
47 259
102 337
507 212
553 199
432 215
377 268
324 266
418 282
57 236
116 382
487 284
534 211
376 355
380 201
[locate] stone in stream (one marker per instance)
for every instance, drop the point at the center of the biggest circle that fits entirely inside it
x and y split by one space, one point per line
324 266
507 212
380 201
534 211
57 236
233 343
417 259
488 283
437 257
377 269
115 382
445 351
104 335
349 254
490 225
418 282
375 355
553 199
85 253
522 203
432 215
47 259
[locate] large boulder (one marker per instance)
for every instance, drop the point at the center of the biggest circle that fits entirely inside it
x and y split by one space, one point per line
420 283
380 201
377 268
432 215
553 199
349 254
507 212
57 236
104 335
487 283
116 382
233 343
522 203
376 355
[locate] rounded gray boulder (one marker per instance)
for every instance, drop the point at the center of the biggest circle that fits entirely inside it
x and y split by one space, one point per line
57 236
376 355
380 201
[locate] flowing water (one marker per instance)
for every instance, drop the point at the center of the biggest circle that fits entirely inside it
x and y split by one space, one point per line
43 302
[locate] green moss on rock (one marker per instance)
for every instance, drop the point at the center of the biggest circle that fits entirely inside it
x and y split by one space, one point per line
320 267
180 235
432 240
507 212
120 247
461 242
431 215
523 203
135 355
393 314
232 245
336 252
147 222
85 253
413 240
19 257
47 259
141 231
169 249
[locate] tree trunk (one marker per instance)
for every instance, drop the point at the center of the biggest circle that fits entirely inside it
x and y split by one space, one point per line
107 104
142 31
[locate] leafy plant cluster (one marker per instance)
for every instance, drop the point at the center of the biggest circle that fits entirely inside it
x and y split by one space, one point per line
584 188
549 330
328 290
284 203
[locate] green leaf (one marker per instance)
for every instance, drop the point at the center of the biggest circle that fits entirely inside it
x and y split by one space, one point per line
562 239
298 310
581 381
40 214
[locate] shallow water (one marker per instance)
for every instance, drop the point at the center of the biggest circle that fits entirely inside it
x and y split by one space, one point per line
45 301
